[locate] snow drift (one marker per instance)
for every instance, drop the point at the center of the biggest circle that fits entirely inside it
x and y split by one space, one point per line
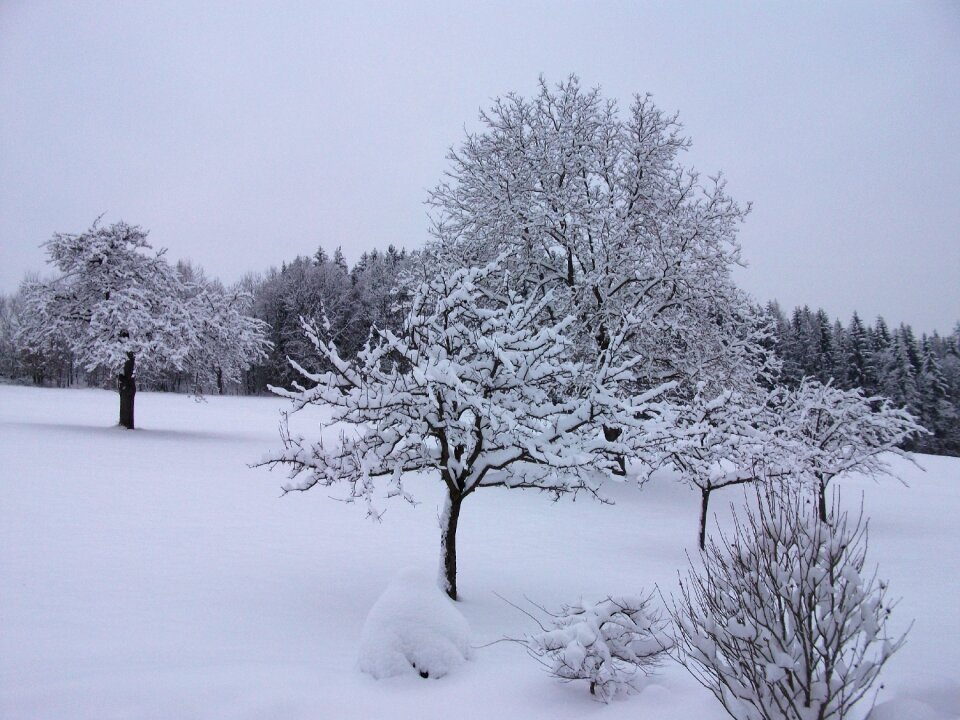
413 628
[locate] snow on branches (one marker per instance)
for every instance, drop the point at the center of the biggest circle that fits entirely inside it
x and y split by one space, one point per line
113 298
480 386
724 440
830 431
227 338
783 621
120 307
613 644
596 207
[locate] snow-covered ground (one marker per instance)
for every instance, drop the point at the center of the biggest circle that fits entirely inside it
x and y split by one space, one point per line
152 574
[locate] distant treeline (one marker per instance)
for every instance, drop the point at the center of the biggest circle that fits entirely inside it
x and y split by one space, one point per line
921 374
353 299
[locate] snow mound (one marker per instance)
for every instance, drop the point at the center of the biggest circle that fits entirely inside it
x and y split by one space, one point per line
413 628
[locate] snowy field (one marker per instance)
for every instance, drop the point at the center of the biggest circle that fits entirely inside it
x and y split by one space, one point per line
152 574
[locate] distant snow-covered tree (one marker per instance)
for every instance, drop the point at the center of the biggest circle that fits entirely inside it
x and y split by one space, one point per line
474 387
784 621
41 351
120 307
228 339
724 440
832 431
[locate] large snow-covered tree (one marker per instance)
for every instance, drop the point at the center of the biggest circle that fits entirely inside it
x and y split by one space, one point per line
597 211
117 305
623 250
476 388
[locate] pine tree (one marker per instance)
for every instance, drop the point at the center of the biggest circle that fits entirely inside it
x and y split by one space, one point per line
937 413
858 357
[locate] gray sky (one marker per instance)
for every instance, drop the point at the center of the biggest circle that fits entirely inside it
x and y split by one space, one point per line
243 134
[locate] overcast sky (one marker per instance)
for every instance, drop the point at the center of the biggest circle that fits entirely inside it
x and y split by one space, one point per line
242 134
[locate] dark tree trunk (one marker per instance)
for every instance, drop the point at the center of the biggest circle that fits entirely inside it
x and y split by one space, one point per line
612 434
704 504
127 387
448 544
219 381
822 485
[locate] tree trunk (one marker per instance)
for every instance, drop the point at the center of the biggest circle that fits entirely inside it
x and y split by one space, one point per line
704 503
219 381
448 545
823 498
127 387
612 434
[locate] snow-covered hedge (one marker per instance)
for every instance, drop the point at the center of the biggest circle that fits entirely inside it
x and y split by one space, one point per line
413 628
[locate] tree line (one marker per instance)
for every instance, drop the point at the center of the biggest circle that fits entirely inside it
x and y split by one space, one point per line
921 374
354 299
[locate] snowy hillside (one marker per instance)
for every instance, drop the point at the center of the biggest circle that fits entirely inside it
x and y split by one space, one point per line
152 574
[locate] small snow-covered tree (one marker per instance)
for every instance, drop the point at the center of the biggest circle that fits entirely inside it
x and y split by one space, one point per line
784 621
832 431
476 387
613 644
228 340
724 440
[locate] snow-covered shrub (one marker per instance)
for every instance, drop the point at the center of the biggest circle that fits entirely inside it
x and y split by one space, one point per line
784 624
413 628
612 644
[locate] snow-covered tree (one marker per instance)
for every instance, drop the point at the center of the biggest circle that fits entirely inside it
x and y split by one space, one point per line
784 621
597 211
612 644
475 387
832 431
724 440
41 352
227 338
120 307
116 304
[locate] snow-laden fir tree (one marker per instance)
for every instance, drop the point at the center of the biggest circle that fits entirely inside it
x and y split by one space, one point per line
783 620
476 388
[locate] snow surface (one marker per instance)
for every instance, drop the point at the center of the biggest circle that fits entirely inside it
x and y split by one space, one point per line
152 574
414 628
